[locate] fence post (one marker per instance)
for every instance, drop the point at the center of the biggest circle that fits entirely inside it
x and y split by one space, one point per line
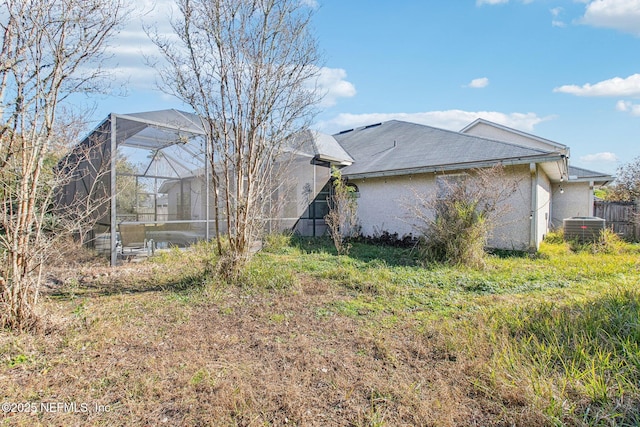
635 219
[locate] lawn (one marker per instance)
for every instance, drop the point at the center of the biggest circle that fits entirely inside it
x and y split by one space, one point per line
309 338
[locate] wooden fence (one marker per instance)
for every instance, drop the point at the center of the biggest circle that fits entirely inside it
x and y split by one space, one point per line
622 217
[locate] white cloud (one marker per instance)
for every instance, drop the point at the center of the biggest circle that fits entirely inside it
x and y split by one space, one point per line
332 84
616 86
449 119
490 2
132 49
623 15
479 83
606 156
555 13
628 107
313 4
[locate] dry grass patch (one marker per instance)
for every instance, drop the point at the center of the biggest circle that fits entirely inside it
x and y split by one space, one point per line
156 357
308 338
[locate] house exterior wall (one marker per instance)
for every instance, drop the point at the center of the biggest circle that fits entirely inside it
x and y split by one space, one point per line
385 205
576 200
492 132
513 228
543 209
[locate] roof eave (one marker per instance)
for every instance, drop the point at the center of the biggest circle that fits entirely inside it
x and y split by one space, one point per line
597 180
333 160
552 157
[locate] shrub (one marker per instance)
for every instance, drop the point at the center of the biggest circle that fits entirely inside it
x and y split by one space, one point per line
555 237
456 225
458 235
385 238
276 242
342 221
608 243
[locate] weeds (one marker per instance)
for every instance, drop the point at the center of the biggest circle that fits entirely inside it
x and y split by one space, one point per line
608 242
277 242
456 225
259 273
588 349
307 337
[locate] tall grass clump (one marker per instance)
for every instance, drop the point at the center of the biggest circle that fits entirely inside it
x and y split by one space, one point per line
581 361
607 242
277 242
262 272
458 235
555 237
456 225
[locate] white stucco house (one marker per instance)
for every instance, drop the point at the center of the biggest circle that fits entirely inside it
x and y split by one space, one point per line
394 159
152 168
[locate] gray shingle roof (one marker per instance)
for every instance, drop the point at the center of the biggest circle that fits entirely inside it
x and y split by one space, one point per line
397 146
581 174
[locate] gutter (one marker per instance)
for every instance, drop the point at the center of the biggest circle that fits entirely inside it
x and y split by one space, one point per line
596 180
551 157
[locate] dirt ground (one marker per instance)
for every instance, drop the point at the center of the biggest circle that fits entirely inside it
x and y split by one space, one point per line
118 350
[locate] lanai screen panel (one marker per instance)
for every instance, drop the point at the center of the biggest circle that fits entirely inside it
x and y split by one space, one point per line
161 181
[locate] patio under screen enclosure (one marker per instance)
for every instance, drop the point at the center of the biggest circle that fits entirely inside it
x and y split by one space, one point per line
151 174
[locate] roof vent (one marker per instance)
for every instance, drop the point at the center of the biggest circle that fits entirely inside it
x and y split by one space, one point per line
345 131
583 229
373 125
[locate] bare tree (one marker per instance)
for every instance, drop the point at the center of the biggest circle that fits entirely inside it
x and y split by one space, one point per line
342 219
247 68
49 50
626 187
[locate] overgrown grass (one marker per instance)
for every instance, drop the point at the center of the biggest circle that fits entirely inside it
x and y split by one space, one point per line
307 337
581 360
565 323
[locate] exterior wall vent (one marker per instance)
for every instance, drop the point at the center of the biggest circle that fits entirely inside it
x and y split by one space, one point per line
583 229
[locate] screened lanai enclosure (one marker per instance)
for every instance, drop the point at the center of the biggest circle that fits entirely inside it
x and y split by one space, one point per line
145 174
147 177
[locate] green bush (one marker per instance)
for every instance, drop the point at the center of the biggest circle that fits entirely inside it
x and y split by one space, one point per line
456 225
459 233
555 237
608 243
276 242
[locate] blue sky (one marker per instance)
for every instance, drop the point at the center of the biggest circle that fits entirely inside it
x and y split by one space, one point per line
565 70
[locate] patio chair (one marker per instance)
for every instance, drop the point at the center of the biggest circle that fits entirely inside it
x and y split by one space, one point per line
134 241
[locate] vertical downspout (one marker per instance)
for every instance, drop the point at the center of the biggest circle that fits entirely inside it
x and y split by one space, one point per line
112 195
592 202
533 231
313 201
